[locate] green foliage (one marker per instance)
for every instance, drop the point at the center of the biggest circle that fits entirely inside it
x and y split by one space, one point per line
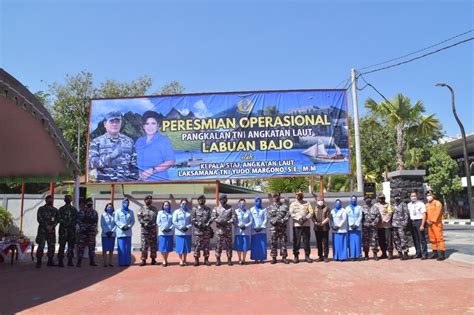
287 185
6 221
442 173
404 122
174 87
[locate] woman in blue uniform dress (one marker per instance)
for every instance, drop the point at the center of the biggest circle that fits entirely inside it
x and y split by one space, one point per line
182 224
258 241
124 219
108 226
338 223
242 231
164 220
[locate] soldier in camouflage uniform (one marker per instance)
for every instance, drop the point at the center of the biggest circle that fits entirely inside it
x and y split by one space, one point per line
47 218
201 217
147 218
278 216
400 218
113 154
67 231
224 216
370 218
87 220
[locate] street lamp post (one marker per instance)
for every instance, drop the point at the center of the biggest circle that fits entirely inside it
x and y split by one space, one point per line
466 158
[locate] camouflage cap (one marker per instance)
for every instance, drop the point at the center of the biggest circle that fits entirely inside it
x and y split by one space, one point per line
113 115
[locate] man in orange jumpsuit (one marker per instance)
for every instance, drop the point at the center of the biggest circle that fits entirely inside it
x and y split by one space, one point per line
434 219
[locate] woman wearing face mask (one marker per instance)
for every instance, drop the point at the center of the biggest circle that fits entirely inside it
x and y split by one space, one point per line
242 231
183 224
258 240
155 153
107 223
124 219
164 220
338 221
354 220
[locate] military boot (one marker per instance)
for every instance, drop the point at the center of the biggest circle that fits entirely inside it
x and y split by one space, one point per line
376 258
153 261
434 255
326 259
143 263
38 263
274 261
92 262
405 256
78 263
296 259
50 262
69 262
390 255
400 255
218 261
61 262
229 261
384 255
285 261
196 262
206 261
308 259
441 256
366 255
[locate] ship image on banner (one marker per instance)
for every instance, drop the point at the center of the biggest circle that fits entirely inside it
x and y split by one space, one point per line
318 154
209 136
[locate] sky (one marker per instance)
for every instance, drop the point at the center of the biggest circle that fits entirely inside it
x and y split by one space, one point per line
217 46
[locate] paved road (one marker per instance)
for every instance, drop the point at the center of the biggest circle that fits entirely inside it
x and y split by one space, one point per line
460 242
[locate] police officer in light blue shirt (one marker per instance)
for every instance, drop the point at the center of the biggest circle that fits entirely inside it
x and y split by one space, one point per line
242 231
164 220
183 225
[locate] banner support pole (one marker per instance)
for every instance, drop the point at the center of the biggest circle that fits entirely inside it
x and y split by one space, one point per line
22 203
112 194
321 186
51 189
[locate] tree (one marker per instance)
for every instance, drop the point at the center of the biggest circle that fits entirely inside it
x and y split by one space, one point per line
70 103
174 87
287 184
405 119
443 173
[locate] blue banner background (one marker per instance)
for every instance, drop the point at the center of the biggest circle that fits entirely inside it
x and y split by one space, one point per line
189 157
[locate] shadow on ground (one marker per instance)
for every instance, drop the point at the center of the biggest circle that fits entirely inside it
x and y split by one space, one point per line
34 286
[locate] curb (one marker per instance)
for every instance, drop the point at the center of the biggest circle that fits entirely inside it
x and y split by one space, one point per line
458 222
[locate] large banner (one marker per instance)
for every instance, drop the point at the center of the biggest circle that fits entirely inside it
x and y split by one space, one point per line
218 136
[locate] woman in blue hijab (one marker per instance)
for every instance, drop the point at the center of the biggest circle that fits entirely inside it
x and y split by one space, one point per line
164 220
354 219
183 225
108 226
258 251
338 223
124 219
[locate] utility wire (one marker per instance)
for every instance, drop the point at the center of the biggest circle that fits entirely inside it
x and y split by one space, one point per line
419 57
373 87
418 51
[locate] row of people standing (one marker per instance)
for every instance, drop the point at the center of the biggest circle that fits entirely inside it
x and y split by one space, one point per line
370 226
387 226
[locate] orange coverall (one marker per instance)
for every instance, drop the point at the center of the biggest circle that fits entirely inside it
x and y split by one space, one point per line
434 213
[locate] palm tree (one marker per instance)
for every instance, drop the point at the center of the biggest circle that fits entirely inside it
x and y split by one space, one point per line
408 121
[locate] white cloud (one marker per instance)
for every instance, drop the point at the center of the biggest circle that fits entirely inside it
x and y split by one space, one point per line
201 110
